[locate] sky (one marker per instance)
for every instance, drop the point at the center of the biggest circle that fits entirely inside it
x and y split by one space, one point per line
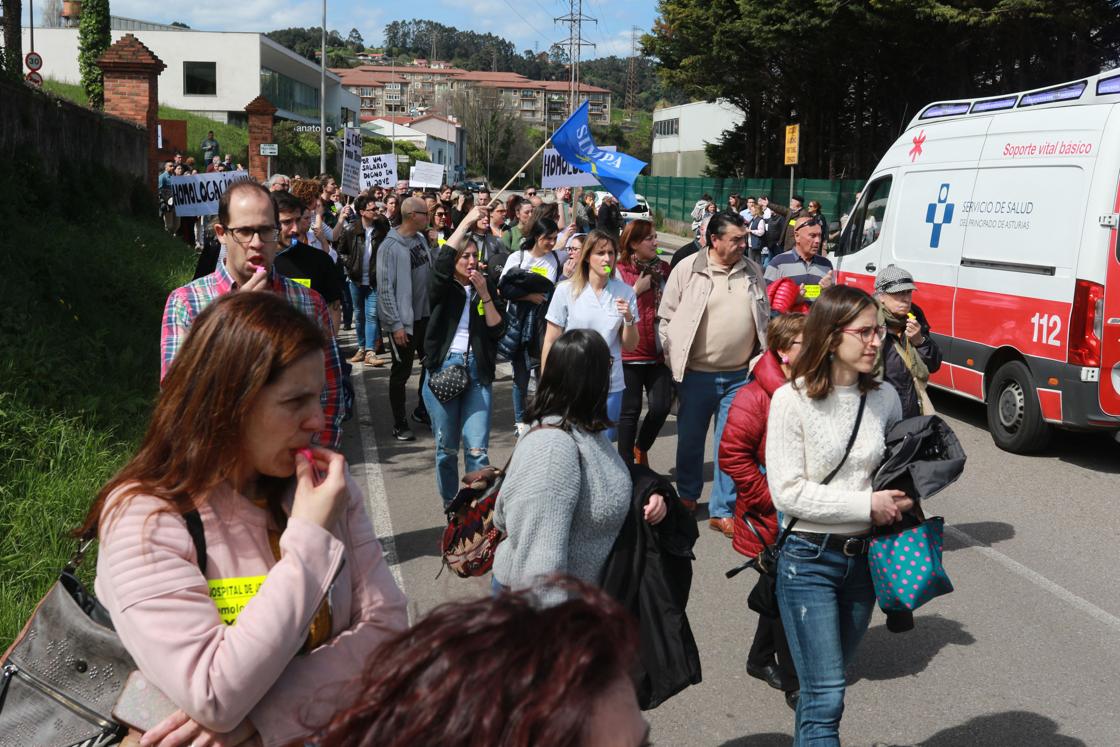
526 23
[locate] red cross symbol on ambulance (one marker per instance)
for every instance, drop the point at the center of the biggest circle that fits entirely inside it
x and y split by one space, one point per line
918 141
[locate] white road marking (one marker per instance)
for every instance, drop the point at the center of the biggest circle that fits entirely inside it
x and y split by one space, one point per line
1037 579
377 502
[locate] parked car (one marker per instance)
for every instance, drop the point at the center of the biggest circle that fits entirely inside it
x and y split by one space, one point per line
633 212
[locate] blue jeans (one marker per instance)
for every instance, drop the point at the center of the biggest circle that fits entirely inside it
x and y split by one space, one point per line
521 390
366 326
825 599
703 394
465 420
614 411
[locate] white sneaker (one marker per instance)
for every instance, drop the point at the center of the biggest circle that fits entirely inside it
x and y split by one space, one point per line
521 429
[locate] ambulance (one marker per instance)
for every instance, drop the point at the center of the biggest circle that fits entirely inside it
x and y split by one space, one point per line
1005 209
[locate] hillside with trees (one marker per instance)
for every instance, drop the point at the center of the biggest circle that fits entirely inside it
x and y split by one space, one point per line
854 74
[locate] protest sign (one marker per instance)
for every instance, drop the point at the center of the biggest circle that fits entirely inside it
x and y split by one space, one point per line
198 194
556 172
379 171
426 174
351 162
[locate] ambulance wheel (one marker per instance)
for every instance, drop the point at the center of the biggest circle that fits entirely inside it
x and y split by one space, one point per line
1014 414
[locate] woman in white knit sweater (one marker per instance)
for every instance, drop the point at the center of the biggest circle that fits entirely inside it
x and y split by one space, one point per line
824 586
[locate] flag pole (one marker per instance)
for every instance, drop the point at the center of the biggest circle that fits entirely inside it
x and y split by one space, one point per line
494 199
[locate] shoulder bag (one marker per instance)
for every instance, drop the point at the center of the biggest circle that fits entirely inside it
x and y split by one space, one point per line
763 598
471 538
61 677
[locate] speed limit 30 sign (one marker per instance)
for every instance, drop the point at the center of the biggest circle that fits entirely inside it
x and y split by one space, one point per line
34 61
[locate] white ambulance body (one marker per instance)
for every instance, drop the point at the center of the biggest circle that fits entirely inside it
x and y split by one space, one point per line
1005 210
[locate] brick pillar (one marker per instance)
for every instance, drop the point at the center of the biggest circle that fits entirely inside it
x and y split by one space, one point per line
260 112
132 90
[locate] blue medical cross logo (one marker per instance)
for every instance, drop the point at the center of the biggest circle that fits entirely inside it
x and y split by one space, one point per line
946 215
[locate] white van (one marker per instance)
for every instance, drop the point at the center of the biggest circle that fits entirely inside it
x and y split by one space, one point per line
1005 210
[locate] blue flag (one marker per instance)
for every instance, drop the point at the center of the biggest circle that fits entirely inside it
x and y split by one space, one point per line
615 171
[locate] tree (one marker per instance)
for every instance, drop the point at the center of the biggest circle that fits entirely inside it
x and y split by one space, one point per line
52 14
854 74
12 63
179 25
498 141
354 39
93 39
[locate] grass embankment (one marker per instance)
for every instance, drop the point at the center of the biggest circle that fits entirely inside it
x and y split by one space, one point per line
83 288
233 139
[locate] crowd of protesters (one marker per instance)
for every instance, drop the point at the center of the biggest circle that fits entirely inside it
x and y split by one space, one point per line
744 333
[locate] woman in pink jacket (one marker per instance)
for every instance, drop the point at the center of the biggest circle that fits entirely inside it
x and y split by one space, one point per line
257 642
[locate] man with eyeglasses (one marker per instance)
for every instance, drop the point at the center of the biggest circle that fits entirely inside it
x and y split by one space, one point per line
358 246
404 264
248 229
804 264
279 183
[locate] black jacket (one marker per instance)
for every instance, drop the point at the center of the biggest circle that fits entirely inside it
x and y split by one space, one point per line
609 218
351 245
447 299
898 375
493 253
649 571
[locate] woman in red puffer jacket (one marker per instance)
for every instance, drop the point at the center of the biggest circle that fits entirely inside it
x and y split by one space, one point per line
742 455
643 367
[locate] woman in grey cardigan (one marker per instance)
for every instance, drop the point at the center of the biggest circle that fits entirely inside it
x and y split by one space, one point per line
567 490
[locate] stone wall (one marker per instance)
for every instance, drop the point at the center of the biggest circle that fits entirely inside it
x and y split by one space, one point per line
61 133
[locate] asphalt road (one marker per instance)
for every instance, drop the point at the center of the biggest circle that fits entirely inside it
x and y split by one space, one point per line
1024 652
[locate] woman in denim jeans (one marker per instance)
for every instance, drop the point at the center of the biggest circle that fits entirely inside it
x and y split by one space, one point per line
463 329
824 589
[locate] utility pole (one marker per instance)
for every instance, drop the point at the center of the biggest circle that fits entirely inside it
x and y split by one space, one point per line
632 76
323 97
575 43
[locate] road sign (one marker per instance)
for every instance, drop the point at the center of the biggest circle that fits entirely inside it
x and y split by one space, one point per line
270 149
34 79
33 60
793 142
403 159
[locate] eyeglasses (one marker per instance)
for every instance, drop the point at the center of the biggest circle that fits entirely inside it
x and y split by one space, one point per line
867 334
440 214
245 234
531 194
811 222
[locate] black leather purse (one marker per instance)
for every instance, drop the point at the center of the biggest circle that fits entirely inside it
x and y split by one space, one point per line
448 383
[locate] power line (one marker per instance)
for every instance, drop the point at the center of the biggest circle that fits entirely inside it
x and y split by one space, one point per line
574 21
526 20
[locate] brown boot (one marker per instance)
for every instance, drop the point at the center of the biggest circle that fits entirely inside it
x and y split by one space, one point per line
641 457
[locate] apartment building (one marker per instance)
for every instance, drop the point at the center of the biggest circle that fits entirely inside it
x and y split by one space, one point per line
387 90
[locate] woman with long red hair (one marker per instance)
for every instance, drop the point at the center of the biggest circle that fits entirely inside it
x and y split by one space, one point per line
643 368
290 555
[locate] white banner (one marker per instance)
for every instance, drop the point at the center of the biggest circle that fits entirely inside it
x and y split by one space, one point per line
198 194
556 172
379 171
351 162
424 174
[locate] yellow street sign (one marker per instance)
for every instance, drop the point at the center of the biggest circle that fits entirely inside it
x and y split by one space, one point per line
793 141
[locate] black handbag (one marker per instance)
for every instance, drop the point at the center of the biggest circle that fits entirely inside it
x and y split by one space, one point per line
763 598
923 457
61 677
448 383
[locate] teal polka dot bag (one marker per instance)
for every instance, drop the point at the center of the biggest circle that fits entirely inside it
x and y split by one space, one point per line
906 567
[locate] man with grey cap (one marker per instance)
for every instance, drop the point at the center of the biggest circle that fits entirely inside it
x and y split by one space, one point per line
909 353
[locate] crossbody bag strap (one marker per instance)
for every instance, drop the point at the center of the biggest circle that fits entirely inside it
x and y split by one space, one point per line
198 537
832 474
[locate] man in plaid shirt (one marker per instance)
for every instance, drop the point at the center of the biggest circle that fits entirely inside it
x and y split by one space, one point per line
248 227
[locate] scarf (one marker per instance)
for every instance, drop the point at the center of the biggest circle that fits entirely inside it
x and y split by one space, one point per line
652 267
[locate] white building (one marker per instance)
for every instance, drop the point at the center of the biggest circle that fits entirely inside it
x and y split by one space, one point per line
681 132
213 73
447 144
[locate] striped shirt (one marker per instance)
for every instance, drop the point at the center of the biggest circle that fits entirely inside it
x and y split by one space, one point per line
186 303
791 265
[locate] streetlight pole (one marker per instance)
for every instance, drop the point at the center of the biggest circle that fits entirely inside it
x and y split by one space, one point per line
323 97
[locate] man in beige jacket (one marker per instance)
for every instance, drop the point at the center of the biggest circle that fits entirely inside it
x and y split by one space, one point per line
714 313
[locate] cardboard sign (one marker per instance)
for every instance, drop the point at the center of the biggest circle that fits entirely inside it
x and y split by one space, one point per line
793 143
352 162
198 194
425 174
556 172
378 171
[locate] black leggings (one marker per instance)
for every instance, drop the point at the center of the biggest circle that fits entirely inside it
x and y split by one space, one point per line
657 381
